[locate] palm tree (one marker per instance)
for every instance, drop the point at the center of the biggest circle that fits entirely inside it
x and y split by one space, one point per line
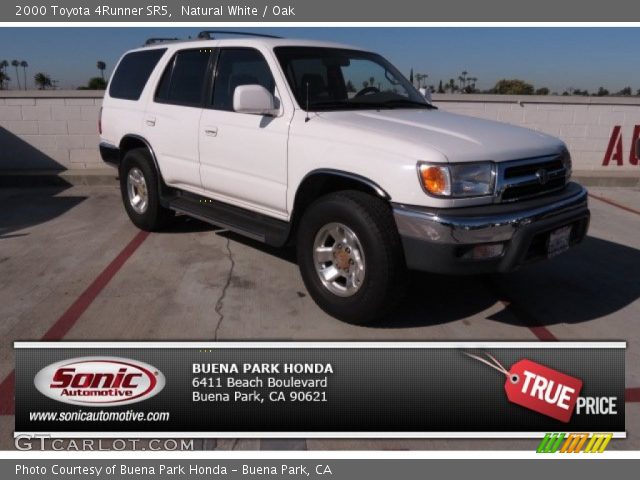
3 78
472 84
420 77
16 64
101 66
42 80
3 74
24 66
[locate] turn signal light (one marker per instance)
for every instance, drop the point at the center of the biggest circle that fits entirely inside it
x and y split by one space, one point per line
435 179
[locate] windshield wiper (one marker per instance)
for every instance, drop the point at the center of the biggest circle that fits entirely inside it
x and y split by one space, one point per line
332 104
405 102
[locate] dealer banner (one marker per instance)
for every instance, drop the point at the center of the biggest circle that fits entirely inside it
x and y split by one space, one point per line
303 389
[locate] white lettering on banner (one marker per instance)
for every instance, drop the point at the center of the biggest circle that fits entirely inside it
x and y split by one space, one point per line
543 388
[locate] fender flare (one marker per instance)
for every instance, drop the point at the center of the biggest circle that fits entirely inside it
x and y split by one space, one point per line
351 176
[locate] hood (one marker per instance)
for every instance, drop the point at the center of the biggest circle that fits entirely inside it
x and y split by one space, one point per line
458 137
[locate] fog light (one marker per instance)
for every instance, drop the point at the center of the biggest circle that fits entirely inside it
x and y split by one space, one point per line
484 251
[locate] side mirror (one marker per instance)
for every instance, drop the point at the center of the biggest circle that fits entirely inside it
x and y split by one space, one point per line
426 93
254 99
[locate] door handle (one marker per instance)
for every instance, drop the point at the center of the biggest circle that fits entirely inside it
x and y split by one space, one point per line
211 131
150 121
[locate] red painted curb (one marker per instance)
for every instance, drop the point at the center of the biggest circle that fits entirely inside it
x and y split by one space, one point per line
62 326
7 387
632 395
543 334
615 204
69 318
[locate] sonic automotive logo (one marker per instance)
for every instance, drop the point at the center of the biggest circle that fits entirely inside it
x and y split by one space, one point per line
99 381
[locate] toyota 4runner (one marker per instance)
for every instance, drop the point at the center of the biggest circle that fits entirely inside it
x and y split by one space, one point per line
331 148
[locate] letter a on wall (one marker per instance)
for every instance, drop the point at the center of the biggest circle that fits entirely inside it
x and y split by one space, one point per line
635 151
614 150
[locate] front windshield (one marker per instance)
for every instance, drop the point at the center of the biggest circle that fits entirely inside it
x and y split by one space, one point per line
340 79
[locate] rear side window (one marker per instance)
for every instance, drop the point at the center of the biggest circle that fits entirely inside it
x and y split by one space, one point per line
133 72
183 80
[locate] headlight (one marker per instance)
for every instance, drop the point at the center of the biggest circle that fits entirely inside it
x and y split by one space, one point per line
458 180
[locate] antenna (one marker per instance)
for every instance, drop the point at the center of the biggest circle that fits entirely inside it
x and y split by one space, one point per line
306 119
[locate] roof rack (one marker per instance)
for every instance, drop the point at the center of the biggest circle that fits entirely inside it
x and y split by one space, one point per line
153 41
209 34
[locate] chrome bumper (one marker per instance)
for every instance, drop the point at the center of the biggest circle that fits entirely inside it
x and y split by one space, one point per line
438 240
439 226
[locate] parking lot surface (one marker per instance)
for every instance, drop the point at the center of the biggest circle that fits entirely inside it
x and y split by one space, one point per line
73 267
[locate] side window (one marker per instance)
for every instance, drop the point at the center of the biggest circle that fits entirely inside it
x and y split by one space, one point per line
236 67
133 72
184 77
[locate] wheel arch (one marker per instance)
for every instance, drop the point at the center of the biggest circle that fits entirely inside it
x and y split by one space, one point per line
323 181
132 142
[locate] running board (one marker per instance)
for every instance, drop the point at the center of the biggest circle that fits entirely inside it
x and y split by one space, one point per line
239 220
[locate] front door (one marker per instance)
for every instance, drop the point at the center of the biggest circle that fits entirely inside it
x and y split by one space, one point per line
243 157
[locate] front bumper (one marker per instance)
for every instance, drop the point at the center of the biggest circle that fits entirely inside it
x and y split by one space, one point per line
436 240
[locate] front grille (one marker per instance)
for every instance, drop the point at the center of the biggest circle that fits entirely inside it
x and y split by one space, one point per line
527 191
531 178
532 168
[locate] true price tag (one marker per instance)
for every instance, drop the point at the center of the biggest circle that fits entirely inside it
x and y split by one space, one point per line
538 388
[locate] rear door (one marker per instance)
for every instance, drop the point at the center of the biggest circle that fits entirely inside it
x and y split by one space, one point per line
172 117
121 109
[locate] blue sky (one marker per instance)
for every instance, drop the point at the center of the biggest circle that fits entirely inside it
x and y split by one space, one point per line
557 58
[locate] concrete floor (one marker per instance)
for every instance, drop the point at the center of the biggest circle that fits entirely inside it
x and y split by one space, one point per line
196 283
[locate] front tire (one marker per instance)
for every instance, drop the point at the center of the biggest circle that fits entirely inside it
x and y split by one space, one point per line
350 256
140 194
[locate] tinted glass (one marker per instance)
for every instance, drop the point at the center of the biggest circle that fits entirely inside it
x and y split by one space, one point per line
334 78
236 67
133 72
184 78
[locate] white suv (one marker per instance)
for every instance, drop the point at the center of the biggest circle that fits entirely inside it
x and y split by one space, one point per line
330 147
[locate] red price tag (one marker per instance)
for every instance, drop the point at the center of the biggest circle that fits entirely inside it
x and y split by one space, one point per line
538 388
543 389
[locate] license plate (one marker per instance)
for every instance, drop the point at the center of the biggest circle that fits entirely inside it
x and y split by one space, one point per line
558 241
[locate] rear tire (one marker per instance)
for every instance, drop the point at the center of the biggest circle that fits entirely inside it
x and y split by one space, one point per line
350 256
140 194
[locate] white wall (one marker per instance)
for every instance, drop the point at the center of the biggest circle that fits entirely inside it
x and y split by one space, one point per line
49 130
58 129
586 124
